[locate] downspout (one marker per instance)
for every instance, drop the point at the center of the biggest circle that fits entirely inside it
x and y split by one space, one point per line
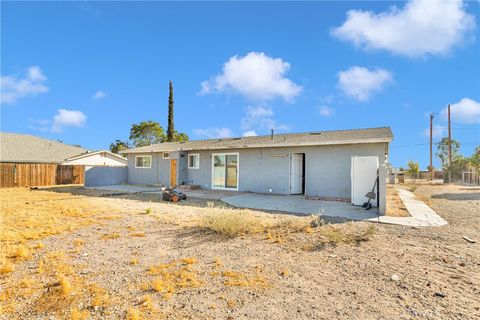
156 175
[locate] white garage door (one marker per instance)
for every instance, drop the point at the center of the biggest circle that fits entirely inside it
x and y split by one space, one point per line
364 173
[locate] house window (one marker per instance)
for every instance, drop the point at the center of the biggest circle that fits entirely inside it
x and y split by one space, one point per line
165 155
193 161
225 171
143 161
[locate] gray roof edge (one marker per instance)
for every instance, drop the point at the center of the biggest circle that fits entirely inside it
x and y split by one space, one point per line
28 161
275 145
147 149
91 153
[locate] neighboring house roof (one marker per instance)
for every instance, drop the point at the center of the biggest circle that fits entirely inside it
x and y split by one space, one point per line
15 147
96 158
370 135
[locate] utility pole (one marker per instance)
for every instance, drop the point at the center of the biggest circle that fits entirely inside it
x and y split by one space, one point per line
431 146
449 147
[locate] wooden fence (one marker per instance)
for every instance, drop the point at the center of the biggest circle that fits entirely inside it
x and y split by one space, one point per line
39 174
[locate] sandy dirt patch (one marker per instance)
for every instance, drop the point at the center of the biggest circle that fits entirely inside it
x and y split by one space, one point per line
166 264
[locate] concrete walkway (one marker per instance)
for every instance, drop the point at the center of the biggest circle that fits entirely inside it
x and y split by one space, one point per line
421 214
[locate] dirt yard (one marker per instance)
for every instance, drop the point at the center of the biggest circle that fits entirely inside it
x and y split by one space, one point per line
78 254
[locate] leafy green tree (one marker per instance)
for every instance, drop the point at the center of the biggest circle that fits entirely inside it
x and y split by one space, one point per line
180 136
171 128
118 145
474 160
442 151
455 169
413 169
146 133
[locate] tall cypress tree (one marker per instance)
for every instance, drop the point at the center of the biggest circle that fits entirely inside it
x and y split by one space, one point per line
170 129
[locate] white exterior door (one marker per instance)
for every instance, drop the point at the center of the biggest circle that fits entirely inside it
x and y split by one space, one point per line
363 174
296 173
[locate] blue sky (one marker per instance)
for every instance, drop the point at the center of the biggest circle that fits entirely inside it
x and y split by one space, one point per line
83 72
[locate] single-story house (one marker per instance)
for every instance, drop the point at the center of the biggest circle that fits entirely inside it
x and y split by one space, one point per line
27 160
101 167
25 148
332 165
100 158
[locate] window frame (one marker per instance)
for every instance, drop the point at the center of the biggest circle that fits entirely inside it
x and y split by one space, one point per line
163 155
144 156
238 170
198 160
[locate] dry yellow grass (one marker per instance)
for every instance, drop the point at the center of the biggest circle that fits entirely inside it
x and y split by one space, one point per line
147 302
109 236
65 285
395 206
32 215
39 245
218 262
172 276
78 242
76 314
21 253
189 260
240 279
137 234
6 266
231 303
232 223
100 297
347 234
133 314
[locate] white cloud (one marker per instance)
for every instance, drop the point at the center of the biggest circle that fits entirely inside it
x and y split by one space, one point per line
419 28
39 124
14 88
326 111
438 131
68 118
250 133
255 116
360 83
465 111
260 117
256 76
99 94
211 133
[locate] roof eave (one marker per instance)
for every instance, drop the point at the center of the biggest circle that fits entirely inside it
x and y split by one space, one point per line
88 154
270 145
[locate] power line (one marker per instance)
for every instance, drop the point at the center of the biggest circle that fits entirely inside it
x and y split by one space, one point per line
410 145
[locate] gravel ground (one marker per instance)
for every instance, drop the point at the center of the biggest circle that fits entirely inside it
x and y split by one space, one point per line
401 273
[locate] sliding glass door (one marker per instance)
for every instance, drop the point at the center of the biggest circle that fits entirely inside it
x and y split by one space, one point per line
225 171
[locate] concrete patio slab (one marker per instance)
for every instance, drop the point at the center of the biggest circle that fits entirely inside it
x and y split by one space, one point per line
120 188
301 206
421 214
